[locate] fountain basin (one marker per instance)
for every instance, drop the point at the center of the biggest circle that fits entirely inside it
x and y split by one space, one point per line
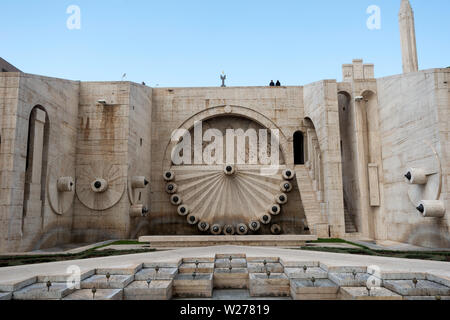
360 293
141 290
258 267
150 273
348 279
101 282
187 286
39 291
100 294
300 273
423 288
277 285
224 278
235 263
203 267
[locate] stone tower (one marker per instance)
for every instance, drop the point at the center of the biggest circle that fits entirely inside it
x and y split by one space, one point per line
408 38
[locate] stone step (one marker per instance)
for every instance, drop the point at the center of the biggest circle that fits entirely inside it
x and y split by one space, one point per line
208 241
422 288
235 263
262 259
40 291
225 278
101 282
150 273
64 277
259 267
202 259
299 264
234 294
5 295
349 279
100 294
161 264
276 285
300 273
187 286
343 269
310 200
320 289
241 294
233 255
190 268
429 298
17 284
155 290
128 270
361 293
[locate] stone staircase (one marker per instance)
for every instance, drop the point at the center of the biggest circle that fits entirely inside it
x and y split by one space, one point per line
310 202
350 226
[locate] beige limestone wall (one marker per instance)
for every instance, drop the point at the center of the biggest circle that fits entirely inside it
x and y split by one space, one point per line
139 153
172 107
11 210
347 125
442 98
321 107
361 148
413 109
35 226
102 153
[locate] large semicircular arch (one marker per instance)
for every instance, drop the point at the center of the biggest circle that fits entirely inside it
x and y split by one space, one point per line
221 111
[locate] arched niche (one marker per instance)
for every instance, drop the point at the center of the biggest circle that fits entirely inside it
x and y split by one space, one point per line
36 162
351 190
298 147
314 161
228 111
369 164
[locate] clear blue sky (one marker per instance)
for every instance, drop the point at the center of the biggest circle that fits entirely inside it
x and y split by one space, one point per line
189 43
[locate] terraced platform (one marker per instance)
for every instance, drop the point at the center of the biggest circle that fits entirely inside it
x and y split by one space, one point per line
229 272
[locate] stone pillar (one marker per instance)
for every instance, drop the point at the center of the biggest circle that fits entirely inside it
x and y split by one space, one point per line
408 38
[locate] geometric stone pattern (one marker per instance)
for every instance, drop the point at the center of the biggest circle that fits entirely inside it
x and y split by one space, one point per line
262 277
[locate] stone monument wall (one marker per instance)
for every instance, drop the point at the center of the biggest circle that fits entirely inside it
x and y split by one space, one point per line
414 115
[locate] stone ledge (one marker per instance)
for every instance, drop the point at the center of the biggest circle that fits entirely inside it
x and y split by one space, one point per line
361 293
5 295
208 241
100 294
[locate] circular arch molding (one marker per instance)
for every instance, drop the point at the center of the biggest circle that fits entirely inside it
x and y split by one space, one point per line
227 110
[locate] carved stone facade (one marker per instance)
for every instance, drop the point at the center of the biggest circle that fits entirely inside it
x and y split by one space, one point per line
90 161
84 162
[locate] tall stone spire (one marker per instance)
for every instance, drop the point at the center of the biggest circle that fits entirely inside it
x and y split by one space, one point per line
408 38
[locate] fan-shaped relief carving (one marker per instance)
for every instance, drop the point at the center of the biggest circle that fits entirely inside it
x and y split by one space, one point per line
101 184
228 185
425 184
224 203
61 184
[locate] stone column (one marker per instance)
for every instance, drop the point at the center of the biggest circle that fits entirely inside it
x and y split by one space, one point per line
408 38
